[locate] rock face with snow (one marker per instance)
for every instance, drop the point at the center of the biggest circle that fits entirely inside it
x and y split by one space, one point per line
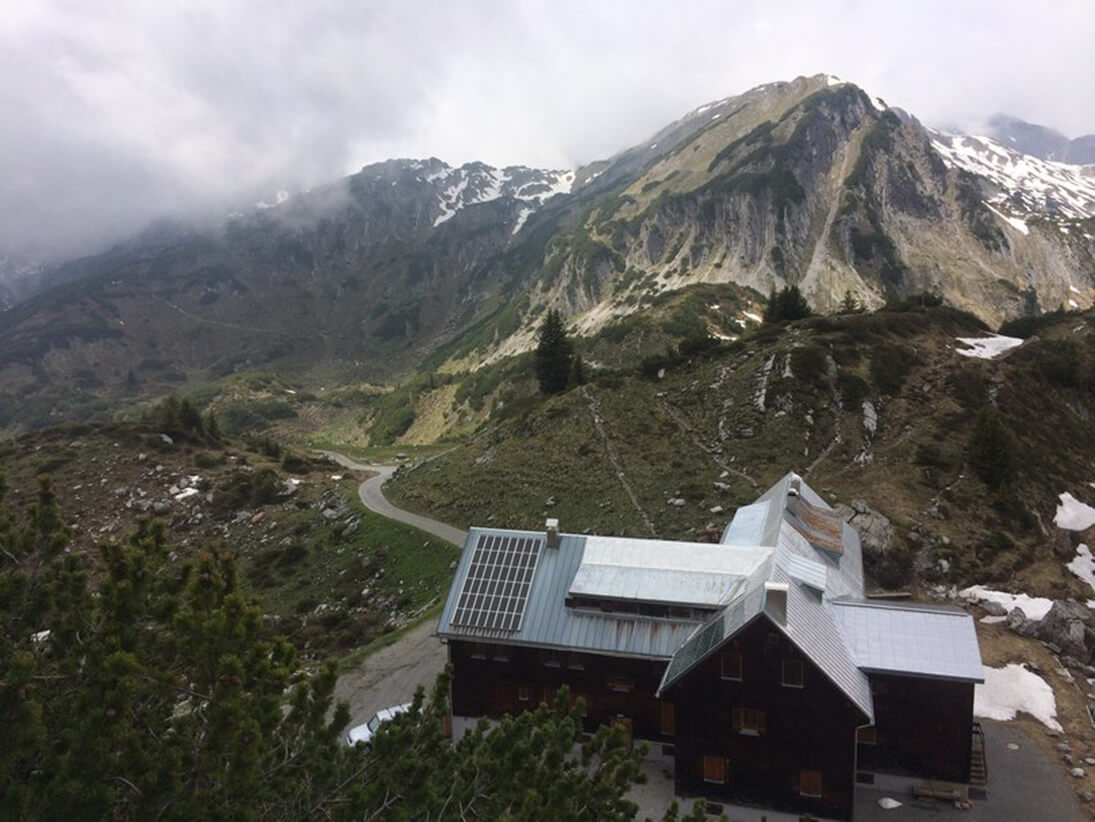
812 182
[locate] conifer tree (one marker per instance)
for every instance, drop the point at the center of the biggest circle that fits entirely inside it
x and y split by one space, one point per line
786 304
553 354
993 449
156 693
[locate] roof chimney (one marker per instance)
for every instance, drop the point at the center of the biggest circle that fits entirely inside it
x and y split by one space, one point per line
552 527
775 601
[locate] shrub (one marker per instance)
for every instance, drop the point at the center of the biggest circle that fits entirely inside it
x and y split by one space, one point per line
993 449
890 365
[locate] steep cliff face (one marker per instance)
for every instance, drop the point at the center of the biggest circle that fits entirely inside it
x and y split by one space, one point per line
811 182
815 183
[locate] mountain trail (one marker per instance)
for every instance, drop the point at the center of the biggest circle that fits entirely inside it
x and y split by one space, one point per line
714 452
614 458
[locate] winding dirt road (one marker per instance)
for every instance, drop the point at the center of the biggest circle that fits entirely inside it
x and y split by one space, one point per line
390 676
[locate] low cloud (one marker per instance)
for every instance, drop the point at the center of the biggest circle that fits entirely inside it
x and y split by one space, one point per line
120 112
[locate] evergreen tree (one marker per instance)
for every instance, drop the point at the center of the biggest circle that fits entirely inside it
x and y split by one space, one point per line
849 305
553 354
156 693
993 449
786 304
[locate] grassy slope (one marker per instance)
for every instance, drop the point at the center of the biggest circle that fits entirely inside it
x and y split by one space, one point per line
328 587
666 437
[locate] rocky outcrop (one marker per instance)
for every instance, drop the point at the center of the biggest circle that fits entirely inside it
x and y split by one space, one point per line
876 532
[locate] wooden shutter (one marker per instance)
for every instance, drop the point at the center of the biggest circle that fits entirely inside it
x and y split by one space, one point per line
809 783
669 719
713 769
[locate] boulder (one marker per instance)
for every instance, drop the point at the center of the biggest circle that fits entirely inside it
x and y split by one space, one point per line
992 608
876 532
1070 626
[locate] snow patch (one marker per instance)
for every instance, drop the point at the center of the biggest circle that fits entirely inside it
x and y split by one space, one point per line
1035 608
186 493
1073 515
1014 222
280 197
1013 689
1083 565
987 348
522 215
754 317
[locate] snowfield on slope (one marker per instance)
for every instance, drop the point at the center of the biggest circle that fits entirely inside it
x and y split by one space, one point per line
1035 608
1013 689
987 348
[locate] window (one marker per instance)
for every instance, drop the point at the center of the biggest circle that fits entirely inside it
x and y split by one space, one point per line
809 783
575 662
750 721
867 736
620 684
523 693
551 659
478 650
713 768
731 665
500 653
792 673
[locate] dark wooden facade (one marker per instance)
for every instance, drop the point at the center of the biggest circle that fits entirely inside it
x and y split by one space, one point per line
923 727
756 723
785 734
491 680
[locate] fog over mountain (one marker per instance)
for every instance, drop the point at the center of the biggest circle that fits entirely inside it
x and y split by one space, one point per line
129 111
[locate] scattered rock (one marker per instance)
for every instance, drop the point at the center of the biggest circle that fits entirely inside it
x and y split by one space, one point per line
160 507
1063 746
166 439
1079 773
993 608
717 509
1068 759
1085 795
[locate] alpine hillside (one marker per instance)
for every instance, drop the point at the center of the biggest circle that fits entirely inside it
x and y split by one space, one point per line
811 182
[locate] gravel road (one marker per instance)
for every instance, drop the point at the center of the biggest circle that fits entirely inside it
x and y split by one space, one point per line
391 675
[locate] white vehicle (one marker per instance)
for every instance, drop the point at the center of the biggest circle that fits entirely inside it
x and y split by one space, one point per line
364 733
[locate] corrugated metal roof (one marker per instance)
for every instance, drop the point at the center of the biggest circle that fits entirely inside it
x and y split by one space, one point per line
725 624
548 622
827 618
910 639
815 632
747 526
650 570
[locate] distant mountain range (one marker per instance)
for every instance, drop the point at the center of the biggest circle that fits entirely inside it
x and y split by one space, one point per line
811 182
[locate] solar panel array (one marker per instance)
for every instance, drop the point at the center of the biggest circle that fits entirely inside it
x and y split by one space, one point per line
496 589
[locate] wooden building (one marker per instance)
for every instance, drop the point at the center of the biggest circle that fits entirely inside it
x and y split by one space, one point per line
756 663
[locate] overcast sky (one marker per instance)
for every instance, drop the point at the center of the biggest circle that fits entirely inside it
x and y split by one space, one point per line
115 112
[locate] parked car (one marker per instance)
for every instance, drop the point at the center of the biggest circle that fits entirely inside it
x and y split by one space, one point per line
364 733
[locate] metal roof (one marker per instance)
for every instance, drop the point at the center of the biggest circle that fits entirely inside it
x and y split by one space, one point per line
650 570
906 638
748 525
826 615
548 622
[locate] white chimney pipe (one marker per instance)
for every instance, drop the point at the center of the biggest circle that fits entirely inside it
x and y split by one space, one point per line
775 601
552 527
